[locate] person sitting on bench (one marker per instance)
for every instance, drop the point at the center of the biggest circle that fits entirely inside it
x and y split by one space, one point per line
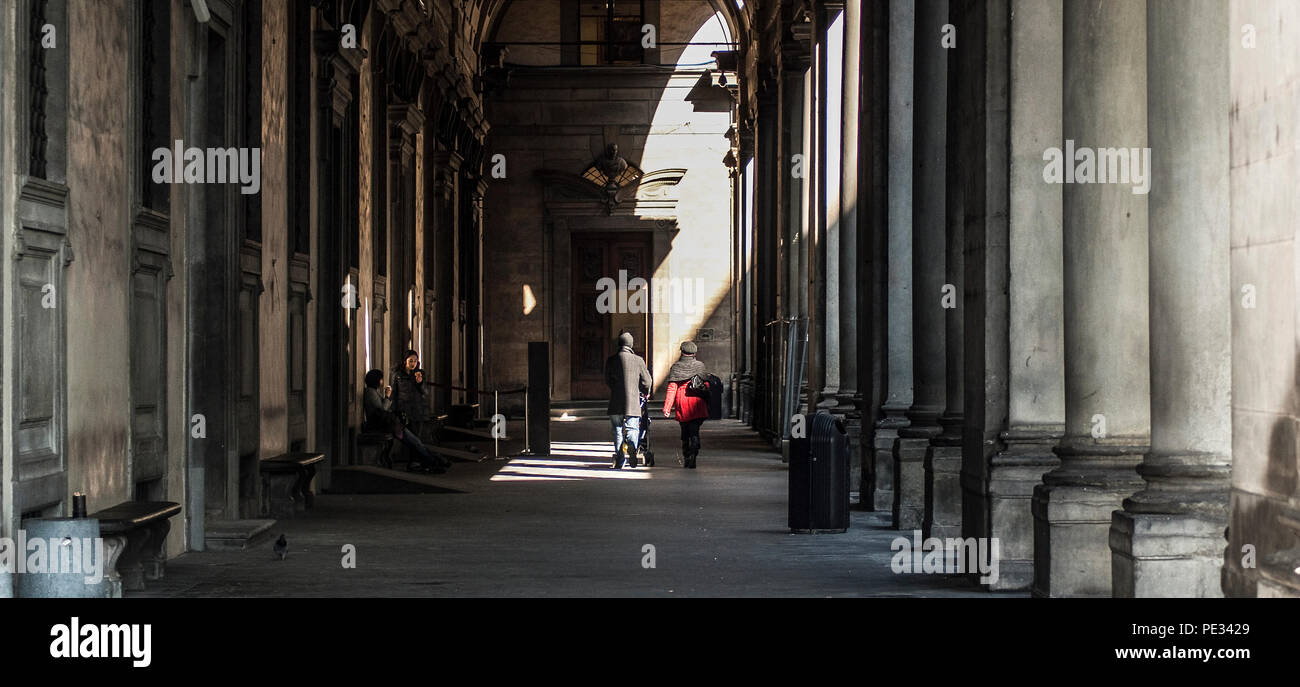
379 417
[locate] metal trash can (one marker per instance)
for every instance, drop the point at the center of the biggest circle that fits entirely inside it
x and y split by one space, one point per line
819 478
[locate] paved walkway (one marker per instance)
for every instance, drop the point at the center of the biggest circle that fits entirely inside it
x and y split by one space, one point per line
568 525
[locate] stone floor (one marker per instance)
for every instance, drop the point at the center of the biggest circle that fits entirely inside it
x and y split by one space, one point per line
567 525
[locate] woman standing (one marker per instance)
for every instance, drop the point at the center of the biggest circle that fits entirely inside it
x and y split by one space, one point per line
691 410
409 401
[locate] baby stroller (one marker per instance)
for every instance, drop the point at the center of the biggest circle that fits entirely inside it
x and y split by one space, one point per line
643 441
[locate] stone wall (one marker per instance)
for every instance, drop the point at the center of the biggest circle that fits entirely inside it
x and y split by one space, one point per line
102 146
7 141
274 302
99 226
1265 153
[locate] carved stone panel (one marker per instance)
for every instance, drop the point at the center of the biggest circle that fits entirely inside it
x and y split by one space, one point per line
148 367
39 338
297 354
248 412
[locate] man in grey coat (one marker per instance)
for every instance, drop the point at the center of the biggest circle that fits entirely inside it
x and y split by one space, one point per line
627 378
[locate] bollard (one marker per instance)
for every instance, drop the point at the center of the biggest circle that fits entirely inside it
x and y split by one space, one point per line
539 397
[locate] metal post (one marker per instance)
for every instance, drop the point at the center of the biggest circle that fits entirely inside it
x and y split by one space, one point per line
527 449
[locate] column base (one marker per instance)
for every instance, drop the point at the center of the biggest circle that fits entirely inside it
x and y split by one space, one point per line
882 494
1013 475
1072 528
1165 555
1013 575
886 433
943 497
849 401
859 471
828 398
909 477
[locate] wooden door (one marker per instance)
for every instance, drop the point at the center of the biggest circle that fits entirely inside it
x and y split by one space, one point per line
620 258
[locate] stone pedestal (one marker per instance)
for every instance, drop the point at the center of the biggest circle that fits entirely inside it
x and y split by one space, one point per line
114 547
909 475
883 454
1072 518
1013 475
1165 555
853 429
943 497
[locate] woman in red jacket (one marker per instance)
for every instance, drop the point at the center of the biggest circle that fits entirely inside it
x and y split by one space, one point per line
691 410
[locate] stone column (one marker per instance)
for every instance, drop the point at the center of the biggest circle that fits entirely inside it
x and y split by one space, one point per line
1168 540
793 91
898 398
928 264
792 221
964 158
446 166
1107 379
479 191
767 284
823 329
404 121
1035 383
802 244
853 157
981 157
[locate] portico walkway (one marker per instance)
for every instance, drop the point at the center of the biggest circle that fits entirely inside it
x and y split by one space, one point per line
719 530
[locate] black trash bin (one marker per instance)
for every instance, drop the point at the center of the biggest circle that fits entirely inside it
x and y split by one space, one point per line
819 478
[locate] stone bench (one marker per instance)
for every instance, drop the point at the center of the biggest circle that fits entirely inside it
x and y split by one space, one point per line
286 483
381 440
135 539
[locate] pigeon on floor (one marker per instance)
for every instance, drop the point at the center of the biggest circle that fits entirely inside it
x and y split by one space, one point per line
281 547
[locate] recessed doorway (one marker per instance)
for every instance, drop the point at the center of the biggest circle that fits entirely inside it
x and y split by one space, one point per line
621 257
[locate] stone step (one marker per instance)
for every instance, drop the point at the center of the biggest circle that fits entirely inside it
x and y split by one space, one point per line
235 535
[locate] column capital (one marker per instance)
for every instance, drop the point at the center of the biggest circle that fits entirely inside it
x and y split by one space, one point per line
405 120
446 166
